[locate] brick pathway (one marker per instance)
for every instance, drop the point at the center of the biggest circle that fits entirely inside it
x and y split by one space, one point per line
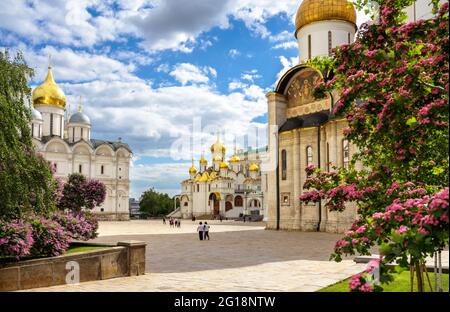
239 257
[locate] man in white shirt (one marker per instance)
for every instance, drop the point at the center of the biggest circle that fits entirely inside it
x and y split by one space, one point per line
200 230
206 230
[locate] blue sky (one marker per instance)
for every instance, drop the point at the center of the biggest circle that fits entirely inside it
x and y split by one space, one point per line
151 71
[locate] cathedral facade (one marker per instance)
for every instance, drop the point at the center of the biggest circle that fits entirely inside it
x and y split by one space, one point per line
64 140
302 129
223 189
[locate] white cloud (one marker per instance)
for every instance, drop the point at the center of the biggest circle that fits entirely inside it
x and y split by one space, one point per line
286 45
186 73
233 53
287 64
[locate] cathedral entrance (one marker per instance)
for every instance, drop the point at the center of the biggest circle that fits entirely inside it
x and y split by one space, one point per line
214 199
228 206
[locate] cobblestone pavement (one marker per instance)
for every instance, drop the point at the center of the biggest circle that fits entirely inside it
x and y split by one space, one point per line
239 257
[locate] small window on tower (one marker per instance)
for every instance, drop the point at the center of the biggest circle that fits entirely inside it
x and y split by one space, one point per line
102 169
309 155
330 43
345 153
309 46
348 38
80 168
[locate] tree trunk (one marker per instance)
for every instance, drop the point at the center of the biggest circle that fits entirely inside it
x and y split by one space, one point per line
419 276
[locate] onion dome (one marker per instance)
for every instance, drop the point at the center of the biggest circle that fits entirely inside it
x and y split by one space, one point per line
203 160
81 118
35 114
218 146
223 165
235 159
253 167
217 158
311 11
192 170
49 93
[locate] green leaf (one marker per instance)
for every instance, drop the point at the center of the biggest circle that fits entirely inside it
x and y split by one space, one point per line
411 121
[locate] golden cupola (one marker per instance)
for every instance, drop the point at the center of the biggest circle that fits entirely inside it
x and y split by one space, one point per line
223 165
192 170
235 159
49 93
311 11
203 160
253 167
218 146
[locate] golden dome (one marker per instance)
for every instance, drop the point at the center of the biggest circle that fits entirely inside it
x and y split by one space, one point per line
49 93
218 146
217 158
235 159
192 170
320 10
203 160
223 165
253 167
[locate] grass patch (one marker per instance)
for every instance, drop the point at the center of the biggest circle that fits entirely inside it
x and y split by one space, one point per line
74 249
399 284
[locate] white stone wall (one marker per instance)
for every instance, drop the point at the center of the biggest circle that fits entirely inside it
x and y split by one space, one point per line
340 31
115 174
58 120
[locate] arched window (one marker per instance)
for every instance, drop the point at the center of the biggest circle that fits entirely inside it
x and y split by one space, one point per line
309 155
283 165
238 202
330 43
102 169
309 46
345 153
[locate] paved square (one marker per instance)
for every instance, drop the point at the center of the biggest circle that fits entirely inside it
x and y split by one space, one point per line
239 257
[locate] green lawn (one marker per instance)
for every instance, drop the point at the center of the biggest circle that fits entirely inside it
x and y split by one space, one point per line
74 249
399 284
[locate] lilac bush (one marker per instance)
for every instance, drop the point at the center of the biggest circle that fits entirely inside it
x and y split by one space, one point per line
78 225
16 239
50 238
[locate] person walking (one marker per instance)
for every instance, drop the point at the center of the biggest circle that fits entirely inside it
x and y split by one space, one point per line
176 223
200 230
179 223
206 230
164 220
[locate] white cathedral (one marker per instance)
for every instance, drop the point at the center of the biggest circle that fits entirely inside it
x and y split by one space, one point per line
223 189
64 140
302 129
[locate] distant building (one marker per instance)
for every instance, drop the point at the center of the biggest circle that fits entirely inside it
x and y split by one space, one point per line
224 189
135 212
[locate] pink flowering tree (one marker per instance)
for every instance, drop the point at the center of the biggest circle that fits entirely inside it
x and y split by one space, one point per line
79 193
393 84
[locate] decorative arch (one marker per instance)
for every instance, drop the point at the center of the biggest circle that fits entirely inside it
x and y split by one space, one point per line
238 201
254 203
82 146
122 152
59 142
104 149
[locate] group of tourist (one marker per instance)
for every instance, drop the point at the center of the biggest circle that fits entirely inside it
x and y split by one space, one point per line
173 222
203 230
